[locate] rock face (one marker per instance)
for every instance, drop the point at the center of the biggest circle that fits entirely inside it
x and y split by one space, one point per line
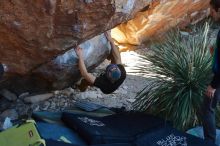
34 32
160 17
38 36
61 71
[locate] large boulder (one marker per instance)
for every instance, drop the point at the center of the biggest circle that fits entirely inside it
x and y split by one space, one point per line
37 37
32 32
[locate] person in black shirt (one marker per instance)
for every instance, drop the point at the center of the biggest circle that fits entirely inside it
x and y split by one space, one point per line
213 90
113 76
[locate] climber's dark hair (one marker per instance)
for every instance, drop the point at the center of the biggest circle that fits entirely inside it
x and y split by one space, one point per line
215 4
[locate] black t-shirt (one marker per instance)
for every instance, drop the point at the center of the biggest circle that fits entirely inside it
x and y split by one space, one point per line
107 86
216 79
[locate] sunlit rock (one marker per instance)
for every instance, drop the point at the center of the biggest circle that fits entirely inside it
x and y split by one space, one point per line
160 17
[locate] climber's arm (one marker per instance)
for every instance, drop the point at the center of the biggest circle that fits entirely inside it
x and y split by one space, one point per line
115 54
85 74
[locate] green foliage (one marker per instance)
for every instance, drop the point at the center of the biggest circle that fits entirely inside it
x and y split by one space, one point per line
180 70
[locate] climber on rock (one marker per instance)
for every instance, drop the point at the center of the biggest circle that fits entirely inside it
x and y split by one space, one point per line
111 79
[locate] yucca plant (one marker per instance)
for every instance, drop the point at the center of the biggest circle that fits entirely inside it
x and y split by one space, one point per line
180 69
